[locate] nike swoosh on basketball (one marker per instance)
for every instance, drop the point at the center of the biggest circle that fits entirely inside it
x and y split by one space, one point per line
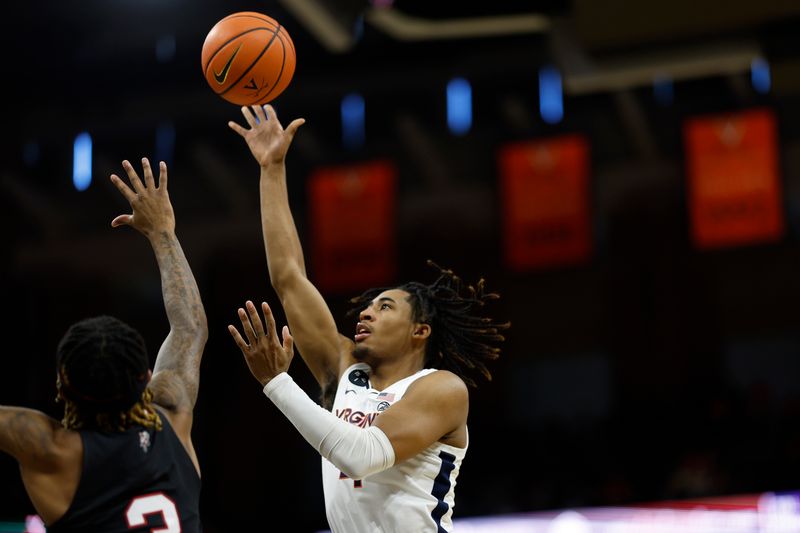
223 74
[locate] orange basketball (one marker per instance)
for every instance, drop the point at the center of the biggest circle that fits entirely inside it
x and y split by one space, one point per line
248 58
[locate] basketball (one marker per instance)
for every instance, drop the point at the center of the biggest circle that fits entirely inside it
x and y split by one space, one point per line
248 58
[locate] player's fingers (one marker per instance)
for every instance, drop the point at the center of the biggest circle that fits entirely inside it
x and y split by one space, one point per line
121 220
240 342
272 115
269 319
247 327
133 177
248 116
162 175
237 128
149 181
259 111
123 188
258 327
292 128
288 340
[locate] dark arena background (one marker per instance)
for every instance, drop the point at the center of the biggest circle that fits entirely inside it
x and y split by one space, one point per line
625 174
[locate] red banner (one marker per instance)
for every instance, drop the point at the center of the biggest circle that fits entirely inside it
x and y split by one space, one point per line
352 221
734 188
545 196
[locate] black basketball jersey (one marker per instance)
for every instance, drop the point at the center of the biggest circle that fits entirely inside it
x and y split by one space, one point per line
137 480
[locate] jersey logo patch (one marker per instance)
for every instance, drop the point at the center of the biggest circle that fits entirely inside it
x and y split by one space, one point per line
144 441
383 406
359 378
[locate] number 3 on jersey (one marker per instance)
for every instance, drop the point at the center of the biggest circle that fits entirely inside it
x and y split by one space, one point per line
356 482
142 506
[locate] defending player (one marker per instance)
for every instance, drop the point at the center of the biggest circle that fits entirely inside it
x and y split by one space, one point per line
393 445
122 458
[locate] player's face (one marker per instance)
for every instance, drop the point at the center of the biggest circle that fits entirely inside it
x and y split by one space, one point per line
385 327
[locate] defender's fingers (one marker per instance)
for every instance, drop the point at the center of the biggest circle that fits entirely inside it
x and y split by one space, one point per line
248 116
288 340
162 175
123 188
237 338
269 319
133 177
247 327
149 181
258 327
121 220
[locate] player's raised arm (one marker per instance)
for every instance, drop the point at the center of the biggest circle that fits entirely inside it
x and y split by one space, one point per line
177 368
325 352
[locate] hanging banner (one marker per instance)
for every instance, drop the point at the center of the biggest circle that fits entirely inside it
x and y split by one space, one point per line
352 223
734 188
545 202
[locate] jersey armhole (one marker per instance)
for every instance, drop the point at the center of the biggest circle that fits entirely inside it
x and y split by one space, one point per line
184 446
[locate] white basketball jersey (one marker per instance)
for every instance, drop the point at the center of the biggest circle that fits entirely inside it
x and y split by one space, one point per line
414 496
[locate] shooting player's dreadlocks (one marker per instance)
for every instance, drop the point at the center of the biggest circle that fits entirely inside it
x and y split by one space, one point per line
460 341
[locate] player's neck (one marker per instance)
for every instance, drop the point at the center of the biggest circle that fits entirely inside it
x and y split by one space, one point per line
388 371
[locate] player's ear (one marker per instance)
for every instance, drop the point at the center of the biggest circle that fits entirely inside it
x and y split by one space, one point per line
149 375
422 331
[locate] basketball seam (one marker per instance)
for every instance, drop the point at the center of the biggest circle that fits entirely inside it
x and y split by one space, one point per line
226 43
288 38
232 85
280 72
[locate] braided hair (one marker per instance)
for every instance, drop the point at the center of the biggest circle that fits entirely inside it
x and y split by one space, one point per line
102 368
460 341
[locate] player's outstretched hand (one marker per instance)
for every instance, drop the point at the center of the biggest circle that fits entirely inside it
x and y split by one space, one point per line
266 138
152 210
264 353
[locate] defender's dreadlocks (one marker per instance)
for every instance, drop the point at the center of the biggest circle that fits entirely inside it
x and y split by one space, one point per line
460 342
142 414
102 374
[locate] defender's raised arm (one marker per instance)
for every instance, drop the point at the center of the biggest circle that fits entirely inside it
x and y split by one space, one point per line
176 374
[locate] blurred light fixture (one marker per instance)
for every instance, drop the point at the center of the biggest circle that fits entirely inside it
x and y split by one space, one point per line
353 131
551 99
82 161
459 106
760 76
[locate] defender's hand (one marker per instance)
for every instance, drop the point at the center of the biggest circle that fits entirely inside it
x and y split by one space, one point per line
264 354
266 138
152 210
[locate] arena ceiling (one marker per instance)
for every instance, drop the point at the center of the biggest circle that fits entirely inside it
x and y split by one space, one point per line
96 68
